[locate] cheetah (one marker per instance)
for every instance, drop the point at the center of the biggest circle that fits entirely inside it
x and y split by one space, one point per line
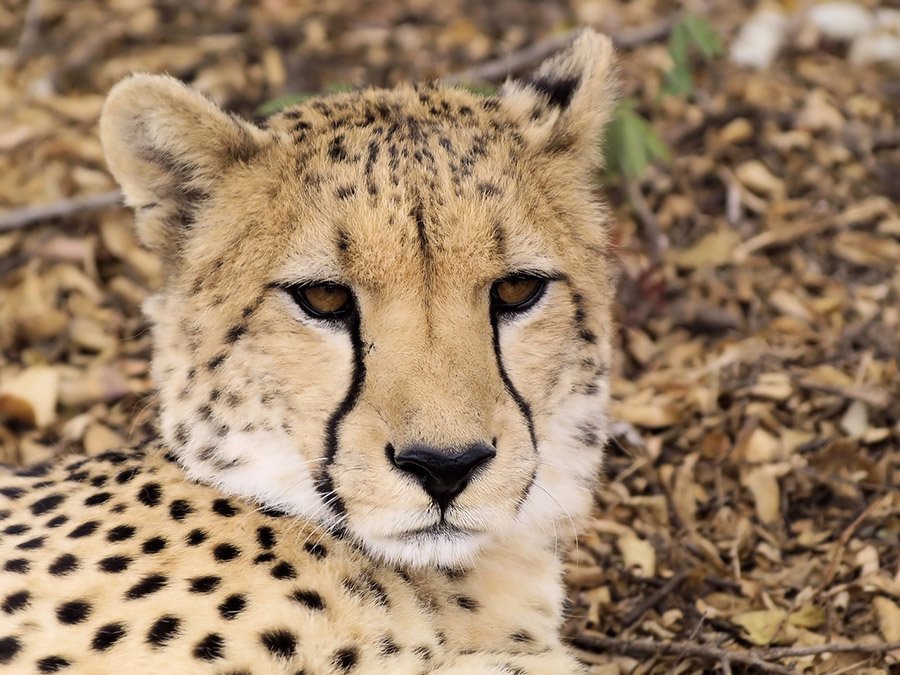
381 353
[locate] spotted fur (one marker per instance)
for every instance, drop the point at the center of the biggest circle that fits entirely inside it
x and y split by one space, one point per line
268 530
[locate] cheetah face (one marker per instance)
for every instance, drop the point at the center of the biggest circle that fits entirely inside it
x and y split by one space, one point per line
386 311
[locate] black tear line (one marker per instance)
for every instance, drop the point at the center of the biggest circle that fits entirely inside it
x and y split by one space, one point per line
324 482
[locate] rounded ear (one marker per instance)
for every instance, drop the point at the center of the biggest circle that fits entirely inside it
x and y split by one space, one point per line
565 104
165 145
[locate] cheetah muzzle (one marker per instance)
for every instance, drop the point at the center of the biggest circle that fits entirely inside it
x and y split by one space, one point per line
381 352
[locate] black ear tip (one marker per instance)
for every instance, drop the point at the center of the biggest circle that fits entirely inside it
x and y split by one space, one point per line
557 90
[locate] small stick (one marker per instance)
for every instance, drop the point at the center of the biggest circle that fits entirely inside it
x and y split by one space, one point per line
17 218
498 69
657 242
639 648
760 658
654 598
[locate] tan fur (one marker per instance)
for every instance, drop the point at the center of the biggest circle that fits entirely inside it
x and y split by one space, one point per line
418 199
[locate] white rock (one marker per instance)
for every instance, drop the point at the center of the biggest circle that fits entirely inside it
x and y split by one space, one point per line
880 47
760 39
842 21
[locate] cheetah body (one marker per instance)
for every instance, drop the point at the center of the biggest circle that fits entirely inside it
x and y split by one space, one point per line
277 525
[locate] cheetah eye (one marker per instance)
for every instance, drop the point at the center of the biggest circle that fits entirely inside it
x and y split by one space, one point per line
327 300
516 293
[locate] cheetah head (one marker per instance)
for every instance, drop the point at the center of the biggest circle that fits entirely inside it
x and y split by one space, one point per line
386 311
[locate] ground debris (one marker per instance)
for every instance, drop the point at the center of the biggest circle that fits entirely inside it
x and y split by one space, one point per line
750 518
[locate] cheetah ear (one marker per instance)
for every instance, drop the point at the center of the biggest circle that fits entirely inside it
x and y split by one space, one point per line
564 106
166 144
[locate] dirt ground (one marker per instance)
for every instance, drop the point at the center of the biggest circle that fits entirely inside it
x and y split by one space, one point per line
751 510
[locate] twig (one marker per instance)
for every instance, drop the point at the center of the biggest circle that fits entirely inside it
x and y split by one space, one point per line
815 650
654 598
498 69
16 218
638 648
657 242
29 35
839 546
760 658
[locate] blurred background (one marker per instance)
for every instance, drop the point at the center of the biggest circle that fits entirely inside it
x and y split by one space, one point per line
753 167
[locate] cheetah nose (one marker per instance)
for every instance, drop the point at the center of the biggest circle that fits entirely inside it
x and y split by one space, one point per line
443 473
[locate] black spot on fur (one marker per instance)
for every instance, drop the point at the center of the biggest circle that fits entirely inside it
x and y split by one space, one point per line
522 636
56 521
15 601
31 544
345 191
52 664
35 471
16 529
337 151
146 586
226 552
99 481
153 545
47 504
84 530
280 642
284 570
17 566
9 647
120 533
265 536
268 556
315 549
467 603
309 599
180 509
205 584
232 606
98 498
210 648
386 646
196 537
63 565
216 361
74 611
345 659
127 475
12 492
114 564
163 630
150 494
224 508
107 636
235 333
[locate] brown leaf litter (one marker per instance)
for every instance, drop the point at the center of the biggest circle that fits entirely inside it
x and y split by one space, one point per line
750 518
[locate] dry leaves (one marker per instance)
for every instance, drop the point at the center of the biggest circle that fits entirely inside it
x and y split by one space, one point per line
751 495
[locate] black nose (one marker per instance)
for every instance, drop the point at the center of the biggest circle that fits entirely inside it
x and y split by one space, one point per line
443 473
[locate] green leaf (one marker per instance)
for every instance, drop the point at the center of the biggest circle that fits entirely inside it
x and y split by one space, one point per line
703 36
280 103
679 81
631 143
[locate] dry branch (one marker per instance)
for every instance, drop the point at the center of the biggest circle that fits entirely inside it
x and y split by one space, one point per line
29 215
498 69
759 658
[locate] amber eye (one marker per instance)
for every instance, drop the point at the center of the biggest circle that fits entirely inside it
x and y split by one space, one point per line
323 301
517 293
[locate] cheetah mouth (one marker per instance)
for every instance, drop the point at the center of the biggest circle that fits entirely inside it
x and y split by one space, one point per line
438 530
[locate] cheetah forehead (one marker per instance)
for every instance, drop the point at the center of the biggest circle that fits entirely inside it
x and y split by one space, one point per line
416 170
